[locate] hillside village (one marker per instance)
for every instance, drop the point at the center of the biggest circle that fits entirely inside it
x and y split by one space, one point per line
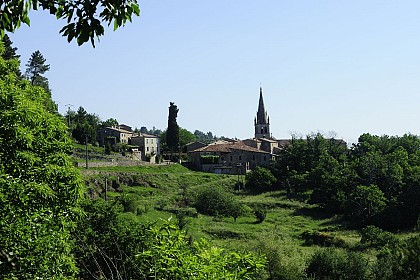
223 156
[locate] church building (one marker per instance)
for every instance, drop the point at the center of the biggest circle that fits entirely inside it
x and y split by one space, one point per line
262 120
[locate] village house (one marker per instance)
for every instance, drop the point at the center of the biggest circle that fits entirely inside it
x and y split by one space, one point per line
148 145
228 158
144 147
106 133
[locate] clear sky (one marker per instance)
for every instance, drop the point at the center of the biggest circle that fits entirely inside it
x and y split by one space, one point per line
344 66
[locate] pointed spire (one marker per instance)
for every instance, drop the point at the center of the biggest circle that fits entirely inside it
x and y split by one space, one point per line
261 114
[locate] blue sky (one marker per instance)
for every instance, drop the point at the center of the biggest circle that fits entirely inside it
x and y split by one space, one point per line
344 66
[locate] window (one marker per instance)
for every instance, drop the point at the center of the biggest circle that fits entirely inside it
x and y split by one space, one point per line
151 141
147 148
231 158
265 158
147 141
253 157
240 157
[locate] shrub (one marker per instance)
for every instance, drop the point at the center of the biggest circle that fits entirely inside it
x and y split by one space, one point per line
334 264
260 179
377 237
399 261
260 213
322 239
215 201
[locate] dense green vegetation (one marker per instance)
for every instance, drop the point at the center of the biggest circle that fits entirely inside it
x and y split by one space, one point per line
292 235
320 212
39 187
374 182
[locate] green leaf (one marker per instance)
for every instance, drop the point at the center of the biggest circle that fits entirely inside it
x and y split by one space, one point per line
136 9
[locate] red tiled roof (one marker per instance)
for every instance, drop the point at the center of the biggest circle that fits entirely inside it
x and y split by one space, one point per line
227 148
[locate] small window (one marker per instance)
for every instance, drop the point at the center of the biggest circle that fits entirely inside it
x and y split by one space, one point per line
253 157
231 158
147 141
147 148
151 141
240 157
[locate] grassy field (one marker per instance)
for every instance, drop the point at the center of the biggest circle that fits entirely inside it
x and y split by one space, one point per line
156 193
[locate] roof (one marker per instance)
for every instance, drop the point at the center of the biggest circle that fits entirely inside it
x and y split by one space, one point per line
144 135
267 140
228 147
118 129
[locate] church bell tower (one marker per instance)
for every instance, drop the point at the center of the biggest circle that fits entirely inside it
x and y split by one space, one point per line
262 121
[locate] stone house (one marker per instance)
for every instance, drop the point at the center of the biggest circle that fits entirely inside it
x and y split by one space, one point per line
149 145
228 157
121 135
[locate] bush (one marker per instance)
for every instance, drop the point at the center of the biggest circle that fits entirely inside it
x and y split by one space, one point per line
215 201
377 237
260 179
260 213
399 261
322 239
334 264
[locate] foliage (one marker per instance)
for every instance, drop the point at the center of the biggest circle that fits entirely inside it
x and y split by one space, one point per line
111 122
39 187
334 264
209 159
314 237
377 237
36 67
105 244
285 261
84 18
10 53
365 202
35 71
83 125
170 256
109 246
260 213
260 179
375 182
172 132
204 137
399 260
215 201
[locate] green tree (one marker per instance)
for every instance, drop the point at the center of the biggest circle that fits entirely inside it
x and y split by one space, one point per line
36 68
84 18
10 52
39 187
111 122
365 202
172 133
85 125
260 179
216 201
185 137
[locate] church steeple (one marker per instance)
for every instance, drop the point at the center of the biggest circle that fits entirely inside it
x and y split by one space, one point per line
262 121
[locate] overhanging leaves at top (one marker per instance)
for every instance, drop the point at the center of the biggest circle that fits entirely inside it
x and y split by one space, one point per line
84 18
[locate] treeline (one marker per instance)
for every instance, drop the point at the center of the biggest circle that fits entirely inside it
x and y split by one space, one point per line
375 182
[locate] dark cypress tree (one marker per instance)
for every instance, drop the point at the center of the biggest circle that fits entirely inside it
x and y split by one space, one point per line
172 134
